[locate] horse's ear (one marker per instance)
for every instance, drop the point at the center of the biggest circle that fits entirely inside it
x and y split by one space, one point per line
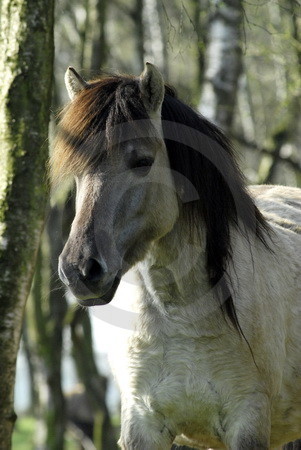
74 82
152 88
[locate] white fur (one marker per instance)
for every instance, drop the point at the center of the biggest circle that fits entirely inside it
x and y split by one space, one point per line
189 375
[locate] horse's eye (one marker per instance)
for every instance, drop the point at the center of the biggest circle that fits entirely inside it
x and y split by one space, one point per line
142 166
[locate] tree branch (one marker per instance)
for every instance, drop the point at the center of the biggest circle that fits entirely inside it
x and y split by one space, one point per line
262 150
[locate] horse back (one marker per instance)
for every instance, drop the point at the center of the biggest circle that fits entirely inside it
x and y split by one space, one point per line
281 205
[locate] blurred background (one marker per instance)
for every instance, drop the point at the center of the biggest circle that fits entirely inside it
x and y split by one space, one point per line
239 64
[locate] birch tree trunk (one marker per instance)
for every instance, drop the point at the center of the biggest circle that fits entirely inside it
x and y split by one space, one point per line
223 63
153 35
26 61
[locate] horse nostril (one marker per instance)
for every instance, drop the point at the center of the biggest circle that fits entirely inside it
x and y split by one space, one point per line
93 270
62 275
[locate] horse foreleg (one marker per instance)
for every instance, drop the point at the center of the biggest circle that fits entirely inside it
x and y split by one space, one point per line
147 441
144 431
249 428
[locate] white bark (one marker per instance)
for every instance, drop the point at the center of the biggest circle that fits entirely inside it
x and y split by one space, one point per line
153 41
223 63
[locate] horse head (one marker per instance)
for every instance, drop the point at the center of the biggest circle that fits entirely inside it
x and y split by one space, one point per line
125 197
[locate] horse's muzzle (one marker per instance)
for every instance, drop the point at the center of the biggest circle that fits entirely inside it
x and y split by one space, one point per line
91 284
103 299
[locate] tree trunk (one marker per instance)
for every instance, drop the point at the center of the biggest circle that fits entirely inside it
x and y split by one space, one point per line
26 61
99 44
153 35
137 16
223 63
289 129
31 364
94 383
56 416
200 19
46 314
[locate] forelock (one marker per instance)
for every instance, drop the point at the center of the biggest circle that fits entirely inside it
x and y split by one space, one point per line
107 112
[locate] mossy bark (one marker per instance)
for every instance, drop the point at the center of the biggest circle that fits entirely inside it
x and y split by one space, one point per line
26 62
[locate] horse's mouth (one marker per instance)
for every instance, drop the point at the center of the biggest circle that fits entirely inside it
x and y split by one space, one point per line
103 299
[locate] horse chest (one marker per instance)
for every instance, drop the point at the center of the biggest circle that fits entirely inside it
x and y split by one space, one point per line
174 379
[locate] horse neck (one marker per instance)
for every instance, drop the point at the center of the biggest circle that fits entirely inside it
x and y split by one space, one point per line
174 270
177 299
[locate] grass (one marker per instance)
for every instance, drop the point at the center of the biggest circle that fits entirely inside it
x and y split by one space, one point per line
24 433
23 436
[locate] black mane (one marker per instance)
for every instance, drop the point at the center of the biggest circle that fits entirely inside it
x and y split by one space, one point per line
202 154
211 183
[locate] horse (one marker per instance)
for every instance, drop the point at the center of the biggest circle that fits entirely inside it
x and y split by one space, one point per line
215 358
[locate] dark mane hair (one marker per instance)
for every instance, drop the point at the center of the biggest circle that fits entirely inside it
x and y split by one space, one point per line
215 190
202 154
